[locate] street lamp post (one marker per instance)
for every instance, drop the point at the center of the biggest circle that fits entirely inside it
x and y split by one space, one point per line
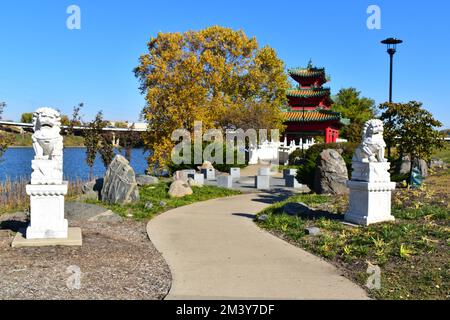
391 44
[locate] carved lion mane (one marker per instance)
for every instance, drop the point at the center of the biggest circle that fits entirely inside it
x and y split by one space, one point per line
47 141
372 146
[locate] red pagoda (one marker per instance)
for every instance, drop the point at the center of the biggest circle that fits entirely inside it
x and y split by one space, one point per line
309 113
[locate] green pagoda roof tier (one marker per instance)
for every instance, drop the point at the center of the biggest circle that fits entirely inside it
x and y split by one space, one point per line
308 92
307 72
314 115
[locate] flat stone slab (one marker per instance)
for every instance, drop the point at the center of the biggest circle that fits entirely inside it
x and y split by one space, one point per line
74 238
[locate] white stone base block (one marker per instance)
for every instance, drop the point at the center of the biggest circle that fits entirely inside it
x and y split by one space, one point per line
47 212
209 174
74 238
289 172
262 182
264 171
198 178
225 182
370 202
291 182
235 173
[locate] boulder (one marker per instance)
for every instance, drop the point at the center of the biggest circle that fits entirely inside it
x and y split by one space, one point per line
205 165
331 173
120 186
146 180
179 189
312 231
297 209
405 166
92 189
437 164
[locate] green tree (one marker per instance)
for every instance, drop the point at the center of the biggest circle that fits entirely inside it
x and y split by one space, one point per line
358 109
26 117
95 140
411 129
128 140
217 75
5 138
76 118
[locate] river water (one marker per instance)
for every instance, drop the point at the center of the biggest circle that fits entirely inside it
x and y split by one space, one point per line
16 163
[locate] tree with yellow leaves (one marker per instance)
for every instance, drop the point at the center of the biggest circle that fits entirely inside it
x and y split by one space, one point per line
217 75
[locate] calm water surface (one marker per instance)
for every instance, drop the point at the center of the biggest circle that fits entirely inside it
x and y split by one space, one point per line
16 163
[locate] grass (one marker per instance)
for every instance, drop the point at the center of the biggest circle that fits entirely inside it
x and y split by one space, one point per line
13 196
412 252
158 193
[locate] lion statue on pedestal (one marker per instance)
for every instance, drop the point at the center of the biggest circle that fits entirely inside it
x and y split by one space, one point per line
372 146
47 140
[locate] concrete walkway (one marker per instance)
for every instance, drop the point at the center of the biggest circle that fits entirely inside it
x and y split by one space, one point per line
215 251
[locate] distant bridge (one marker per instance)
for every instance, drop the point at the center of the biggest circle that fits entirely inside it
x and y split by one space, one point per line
76 128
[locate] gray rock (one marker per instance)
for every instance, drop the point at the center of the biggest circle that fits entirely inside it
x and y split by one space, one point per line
297 208
331 173
120 185
437 164
405 166
162 204
79 211
148 205
263 217
179 189
312 231
146 180
92 190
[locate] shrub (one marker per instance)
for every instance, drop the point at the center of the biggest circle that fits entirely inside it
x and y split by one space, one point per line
307 168
221 167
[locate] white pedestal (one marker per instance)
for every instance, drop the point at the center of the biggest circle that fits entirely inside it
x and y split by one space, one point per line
370 202
371 171
47 211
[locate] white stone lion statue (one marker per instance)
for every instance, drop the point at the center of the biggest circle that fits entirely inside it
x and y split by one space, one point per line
47 140
372 146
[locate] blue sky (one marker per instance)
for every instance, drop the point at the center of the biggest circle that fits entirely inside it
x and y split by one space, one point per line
42 63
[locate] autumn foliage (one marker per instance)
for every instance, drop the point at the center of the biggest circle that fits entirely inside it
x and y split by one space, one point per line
217 75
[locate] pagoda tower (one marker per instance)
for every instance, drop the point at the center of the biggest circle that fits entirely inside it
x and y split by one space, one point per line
309 114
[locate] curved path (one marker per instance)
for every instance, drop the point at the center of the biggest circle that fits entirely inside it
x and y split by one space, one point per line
215 251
